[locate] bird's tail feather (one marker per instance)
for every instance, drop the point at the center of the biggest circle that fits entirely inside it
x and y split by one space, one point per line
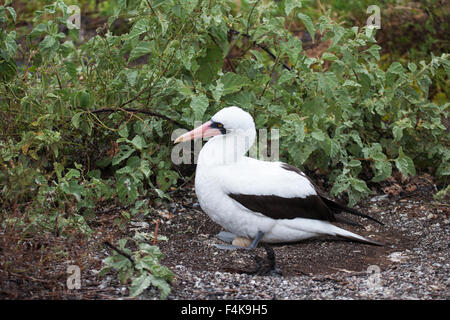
342 233
340 207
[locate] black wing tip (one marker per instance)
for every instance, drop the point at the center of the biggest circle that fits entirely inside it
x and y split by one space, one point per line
337 206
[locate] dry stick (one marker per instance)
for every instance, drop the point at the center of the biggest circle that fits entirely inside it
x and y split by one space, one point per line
126 255
156 232
151 113
261 46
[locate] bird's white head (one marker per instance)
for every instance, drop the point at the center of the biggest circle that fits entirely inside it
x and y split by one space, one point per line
230 120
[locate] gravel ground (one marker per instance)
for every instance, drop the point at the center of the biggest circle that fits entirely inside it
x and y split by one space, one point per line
413 264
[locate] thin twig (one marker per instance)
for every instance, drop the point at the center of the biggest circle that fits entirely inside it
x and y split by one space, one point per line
126 255
262 47
250 15
155 237
151 113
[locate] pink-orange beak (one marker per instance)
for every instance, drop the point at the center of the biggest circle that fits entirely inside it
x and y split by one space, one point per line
204 131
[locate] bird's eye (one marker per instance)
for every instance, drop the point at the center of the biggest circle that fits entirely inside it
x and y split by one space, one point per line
220 125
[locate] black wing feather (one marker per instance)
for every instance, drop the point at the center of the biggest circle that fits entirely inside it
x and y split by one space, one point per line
275 207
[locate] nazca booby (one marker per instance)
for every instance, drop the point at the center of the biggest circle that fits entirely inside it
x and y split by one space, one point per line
256 200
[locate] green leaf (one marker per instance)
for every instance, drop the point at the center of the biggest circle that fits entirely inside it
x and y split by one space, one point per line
12 12
396 68
38 30
48 46
329 56
351 83
374 51
308 24
405 164
199 104
340 184
383 171
290 5
338 34
142 48
210 65
166 178
359 185
162 285
123 130
76 119
124 153
126 189
397 131
131 77
319 135
138 142
72 173
232 82
71 69
412 66
139 27
139 284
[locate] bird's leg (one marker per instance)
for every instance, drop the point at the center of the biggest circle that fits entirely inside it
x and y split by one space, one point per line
264 269
255 241
273 269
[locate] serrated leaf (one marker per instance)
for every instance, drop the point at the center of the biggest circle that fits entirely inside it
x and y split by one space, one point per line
48 46
138 142
338 34
412 66
351 83
71 69
141 49
124 153
405 164
139 284
162 285
319 135
383 171
290 5
232 82
308 24
139 27
72 173
397 132
210 65
329 56
131 77
12 12
359 185
396 68
76 119
375 51
38 30
199 104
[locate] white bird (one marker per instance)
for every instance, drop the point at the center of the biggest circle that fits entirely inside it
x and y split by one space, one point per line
256 200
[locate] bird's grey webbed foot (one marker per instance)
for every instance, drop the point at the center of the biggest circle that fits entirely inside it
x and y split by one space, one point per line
237 242
227 237
226 246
